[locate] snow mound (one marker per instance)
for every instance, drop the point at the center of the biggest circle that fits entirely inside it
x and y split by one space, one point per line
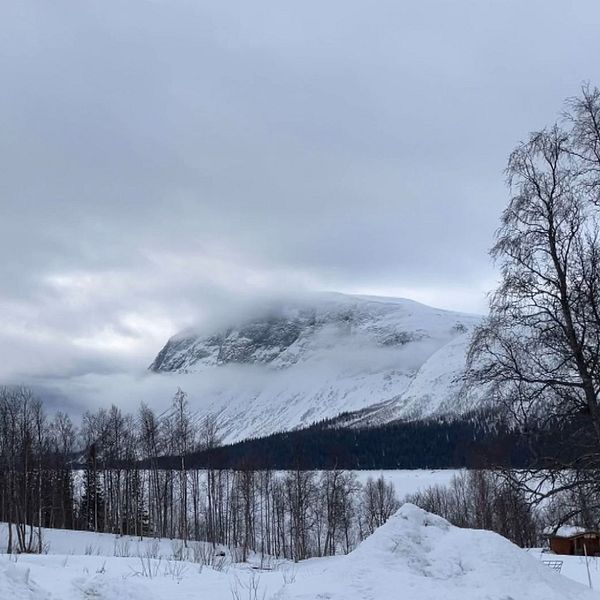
414 556
419 556
16 584
101 587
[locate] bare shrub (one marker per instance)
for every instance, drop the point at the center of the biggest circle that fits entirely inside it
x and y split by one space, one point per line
289 573
202 553
90 550
148 567
121 548
247 590
175 569
152 549
178 550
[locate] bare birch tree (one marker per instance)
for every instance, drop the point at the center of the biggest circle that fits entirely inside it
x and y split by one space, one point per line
538 353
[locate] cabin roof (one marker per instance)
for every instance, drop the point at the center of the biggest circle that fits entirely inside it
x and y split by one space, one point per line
568 531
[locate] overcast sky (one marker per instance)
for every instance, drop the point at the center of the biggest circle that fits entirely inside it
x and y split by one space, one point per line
161 159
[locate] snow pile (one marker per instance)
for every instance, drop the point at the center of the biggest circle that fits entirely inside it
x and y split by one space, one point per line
419 556
414 556
16 584
102 587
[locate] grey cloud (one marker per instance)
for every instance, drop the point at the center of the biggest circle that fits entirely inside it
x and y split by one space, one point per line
161 159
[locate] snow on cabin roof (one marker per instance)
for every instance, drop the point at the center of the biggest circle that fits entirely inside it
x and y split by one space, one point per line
565 531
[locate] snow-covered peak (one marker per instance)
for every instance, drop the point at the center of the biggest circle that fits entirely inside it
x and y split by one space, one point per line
298 362
284 333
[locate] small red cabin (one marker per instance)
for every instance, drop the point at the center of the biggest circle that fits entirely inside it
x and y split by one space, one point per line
572 540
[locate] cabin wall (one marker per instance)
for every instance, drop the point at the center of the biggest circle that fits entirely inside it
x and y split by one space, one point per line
575 545
561 545
592 545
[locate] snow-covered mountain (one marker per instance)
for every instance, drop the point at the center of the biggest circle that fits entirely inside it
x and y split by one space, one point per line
296 363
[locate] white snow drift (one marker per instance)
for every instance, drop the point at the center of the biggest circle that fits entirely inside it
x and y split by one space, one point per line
415 555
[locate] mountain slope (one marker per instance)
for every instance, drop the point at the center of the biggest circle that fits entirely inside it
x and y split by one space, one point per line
299 362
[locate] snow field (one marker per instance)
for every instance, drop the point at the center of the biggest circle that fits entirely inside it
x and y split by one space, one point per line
410 481
415 555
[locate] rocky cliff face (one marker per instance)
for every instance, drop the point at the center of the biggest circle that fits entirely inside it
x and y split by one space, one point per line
300 362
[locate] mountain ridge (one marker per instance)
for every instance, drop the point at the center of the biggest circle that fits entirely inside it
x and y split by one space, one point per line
298 362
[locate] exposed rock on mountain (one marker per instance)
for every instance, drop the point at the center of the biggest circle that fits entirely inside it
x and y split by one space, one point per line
299 362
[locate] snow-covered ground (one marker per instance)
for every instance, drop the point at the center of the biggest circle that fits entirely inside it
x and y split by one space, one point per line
410 481
415 555
573 567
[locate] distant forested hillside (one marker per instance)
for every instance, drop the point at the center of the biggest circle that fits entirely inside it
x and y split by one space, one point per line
438 444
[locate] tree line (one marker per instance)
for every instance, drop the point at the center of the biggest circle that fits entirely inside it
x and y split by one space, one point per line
481 439
118 485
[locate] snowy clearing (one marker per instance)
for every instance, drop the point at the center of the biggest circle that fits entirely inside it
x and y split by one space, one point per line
415 555
410 481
